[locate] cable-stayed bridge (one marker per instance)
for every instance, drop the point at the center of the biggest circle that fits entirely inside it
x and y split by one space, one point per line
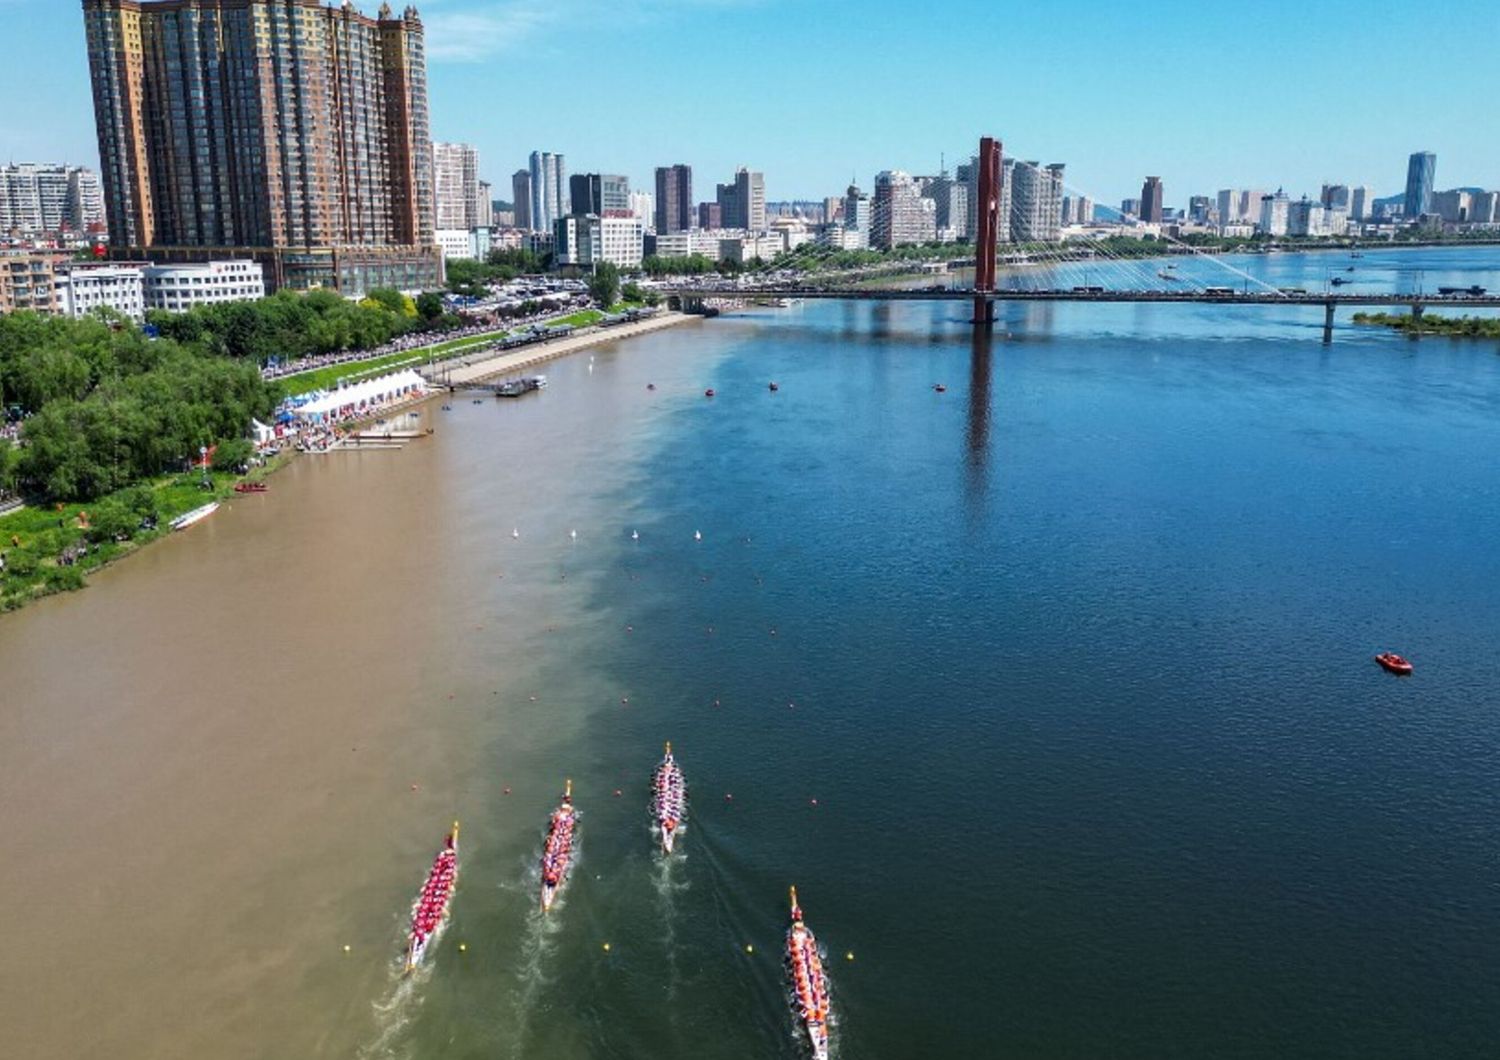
1083 271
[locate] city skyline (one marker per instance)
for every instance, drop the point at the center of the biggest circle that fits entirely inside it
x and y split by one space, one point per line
1197 145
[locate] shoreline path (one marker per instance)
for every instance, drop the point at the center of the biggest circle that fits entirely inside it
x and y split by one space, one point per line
502 362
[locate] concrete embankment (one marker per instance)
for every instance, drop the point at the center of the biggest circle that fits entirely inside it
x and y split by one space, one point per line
483 367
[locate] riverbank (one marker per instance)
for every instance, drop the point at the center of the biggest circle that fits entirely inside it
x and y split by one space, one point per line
501 362
35 540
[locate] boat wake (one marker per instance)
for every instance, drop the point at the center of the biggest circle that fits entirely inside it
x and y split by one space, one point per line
670 879
537 950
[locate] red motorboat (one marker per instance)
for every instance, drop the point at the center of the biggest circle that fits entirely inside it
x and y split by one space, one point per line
251 487
1394 663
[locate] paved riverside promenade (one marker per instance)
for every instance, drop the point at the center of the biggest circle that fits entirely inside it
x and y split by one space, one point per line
501 362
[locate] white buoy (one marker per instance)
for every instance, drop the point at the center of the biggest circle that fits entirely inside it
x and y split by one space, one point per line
635 535
573 534
516 533
697 535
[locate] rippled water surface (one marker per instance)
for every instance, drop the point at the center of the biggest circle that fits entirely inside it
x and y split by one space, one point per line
1074 657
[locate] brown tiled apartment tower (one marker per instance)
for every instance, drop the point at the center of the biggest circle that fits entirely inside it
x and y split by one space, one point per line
286 130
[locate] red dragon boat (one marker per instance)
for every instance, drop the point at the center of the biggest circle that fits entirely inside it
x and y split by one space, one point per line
668 800
557 855
430 911
809 982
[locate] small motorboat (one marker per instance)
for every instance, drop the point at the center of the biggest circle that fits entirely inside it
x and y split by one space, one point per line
709 392
251 487
650 386
775 386
939 388
197 515
1394 663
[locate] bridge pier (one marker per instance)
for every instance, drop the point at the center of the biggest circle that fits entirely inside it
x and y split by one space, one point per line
984 313
1327 323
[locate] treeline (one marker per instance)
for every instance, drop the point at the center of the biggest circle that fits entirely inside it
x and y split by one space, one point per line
1434 324
106 407
289 324
471 278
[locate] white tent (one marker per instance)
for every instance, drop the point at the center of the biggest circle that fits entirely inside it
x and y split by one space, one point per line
362 397
263 435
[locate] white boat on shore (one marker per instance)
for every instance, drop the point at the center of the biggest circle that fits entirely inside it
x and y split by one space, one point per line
197 515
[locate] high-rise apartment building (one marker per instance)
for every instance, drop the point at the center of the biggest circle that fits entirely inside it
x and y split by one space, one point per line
1036 202
856 218
743 203
550 192
674 199
1275 211
484 205
295 130
1083 210
455 182
1421 171
900 215
1151 201
950 197
520 190
1199 209
49 198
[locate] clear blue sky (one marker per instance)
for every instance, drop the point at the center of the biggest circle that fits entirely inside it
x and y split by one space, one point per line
1206 94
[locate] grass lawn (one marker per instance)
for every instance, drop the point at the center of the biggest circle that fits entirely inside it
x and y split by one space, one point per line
327 378
581 319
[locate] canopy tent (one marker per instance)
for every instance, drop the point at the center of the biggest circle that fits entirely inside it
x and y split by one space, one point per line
361 397
263 435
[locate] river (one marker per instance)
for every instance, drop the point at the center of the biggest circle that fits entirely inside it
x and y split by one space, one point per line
1075 659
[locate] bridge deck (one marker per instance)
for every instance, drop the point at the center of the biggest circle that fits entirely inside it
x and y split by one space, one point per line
957 294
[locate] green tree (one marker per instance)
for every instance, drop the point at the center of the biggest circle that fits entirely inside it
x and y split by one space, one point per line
111 520
429 306
233 454
604 285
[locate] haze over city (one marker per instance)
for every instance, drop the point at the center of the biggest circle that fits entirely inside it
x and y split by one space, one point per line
812 94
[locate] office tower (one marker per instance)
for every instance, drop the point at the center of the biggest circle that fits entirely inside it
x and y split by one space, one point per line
295 129
710 216
1421 170
1083 210
549 190
1455 206
1334 197
1036 202
1130 207
1485 208
520 191
674 199
1151 201
1228 203
833 209
455 182
743 203
600 194
899 214
1361 202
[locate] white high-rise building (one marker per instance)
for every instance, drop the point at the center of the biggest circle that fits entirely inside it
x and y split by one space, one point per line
900 215
589 240
1274 214
49 198
550 196
1036 203
643 208
455 178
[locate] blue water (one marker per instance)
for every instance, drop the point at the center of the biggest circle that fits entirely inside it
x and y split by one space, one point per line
1075 659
